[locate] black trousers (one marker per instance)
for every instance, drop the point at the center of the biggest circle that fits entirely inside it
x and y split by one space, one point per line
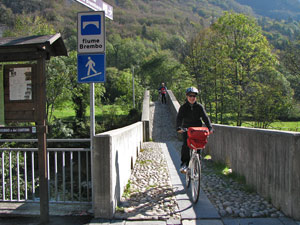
185 151
163 98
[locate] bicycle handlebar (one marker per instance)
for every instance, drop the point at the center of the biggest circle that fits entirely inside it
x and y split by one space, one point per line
184 129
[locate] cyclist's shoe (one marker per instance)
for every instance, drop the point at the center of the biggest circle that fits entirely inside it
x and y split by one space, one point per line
183 169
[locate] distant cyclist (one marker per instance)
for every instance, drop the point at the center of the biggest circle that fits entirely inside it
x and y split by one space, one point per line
190 114
163 91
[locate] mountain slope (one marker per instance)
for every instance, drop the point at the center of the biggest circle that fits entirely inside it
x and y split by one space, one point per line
156 20
277 9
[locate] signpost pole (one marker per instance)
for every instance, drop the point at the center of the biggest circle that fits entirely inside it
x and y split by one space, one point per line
91 63
92 131
133 92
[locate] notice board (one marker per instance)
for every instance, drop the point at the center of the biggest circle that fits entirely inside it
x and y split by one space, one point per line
19 92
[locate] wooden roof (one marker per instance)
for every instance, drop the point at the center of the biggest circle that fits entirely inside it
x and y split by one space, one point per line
31 48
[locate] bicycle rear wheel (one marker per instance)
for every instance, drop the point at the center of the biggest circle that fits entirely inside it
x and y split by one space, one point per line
195 178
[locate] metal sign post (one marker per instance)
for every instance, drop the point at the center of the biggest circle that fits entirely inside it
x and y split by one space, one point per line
91 61
133 92
99 5
92 131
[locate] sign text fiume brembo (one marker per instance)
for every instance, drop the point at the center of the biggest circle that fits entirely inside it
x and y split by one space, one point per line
91 44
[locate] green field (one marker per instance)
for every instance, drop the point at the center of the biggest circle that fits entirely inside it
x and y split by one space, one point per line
279 125
68 113
289 126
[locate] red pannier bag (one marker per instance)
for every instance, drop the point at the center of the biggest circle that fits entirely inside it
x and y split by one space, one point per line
197 137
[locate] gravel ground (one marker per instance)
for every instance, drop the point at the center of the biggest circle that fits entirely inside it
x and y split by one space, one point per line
149 193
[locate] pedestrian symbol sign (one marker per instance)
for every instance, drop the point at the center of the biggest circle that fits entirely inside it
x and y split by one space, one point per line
91 68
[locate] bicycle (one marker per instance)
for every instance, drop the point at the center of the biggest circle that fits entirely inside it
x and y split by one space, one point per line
197 139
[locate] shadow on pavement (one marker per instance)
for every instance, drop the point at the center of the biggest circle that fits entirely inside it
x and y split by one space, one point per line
54 220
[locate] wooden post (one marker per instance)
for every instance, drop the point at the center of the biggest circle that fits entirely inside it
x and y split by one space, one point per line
42 139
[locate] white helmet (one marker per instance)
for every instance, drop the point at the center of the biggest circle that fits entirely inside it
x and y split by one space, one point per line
191 90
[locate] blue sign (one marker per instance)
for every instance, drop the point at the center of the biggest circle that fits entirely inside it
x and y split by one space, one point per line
91 68
90 25
91 32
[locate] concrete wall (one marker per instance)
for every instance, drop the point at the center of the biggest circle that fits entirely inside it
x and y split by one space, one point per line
114 154
173 104
146 116
269 160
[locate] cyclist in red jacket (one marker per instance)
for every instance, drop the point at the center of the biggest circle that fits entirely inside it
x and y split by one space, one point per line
163 91
190 114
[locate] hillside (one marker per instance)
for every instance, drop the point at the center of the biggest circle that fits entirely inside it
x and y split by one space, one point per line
154 20
279 9
153 37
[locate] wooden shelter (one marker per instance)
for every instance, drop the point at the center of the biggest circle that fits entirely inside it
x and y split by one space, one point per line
31 48
33 108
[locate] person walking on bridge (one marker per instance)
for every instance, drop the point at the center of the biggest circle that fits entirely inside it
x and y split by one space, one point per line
190 114
163 91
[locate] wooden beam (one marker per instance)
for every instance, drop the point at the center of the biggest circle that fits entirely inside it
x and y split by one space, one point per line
42 140
20 56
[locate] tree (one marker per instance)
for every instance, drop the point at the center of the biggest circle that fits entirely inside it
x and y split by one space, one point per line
124 53
119 87
6 15
163 67
248 52
291 60
269 97
79 92
208 64
177 44
28 26
233 63
56 73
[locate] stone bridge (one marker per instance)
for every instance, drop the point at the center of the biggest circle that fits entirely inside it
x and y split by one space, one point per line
269 161
135 175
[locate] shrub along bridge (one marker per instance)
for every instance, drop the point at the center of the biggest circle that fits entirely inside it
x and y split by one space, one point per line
269 160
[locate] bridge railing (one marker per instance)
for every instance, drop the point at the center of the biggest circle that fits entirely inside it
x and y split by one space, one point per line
146 116
69 173
114 155
269 160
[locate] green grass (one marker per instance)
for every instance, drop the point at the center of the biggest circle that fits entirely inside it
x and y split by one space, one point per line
290 126
280 125
127 192
143 162
64 113
224 171
68 113
120 209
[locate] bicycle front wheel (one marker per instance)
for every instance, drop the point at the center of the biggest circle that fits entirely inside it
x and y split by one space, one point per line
188 178
195 178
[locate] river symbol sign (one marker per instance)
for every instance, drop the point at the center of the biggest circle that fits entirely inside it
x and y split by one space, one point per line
91 32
